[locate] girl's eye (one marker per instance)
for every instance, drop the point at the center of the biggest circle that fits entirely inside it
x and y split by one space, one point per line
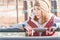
38 8
34 9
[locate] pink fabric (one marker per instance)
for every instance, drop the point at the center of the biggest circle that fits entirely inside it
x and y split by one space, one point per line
48 25
33 25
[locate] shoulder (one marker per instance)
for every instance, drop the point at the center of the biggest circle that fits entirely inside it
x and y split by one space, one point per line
51 14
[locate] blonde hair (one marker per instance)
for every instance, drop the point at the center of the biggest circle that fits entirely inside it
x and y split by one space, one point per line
44 5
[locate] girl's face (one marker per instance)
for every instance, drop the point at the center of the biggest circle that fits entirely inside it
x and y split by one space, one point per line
37 11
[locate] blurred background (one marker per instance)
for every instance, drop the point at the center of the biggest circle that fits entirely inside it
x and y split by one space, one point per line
17 11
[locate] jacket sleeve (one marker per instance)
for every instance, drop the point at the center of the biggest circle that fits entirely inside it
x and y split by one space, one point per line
56 19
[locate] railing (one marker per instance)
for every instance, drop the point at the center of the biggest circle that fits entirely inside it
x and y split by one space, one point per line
32 38
25 37
11 30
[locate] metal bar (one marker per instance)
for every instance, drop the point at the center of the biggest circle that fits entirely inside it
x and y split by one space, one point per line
17 9
54 4
25 9
31 38
12 30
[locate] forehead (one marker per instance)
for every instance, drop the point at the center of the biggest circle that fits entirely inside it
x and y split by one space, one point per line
35 7
42 4
36 3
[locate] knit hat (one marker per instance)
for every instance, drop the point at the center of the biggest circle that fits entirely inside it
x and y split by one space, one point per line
44 4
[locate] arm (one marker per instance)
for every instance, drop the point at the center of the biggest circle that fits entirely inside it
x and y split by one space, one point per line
54 27
56 19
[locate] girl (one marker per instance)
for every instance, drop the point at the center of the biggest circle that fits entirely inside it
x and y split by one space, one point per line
42 19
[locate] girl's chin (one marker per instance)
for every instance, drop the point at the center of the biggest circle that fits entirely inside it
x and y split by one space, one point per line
38 17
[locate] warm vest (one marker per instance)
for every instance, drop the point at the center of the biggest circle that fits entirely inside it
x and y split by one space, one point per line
48 25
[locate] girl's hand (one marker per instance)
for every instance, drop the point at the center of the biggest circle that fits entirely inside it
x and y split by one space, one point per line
50 31
29 30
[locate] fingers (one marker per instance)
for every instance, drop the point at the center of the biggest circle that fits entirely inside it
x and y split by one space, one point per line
30 32
53 29
28 27
50 31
